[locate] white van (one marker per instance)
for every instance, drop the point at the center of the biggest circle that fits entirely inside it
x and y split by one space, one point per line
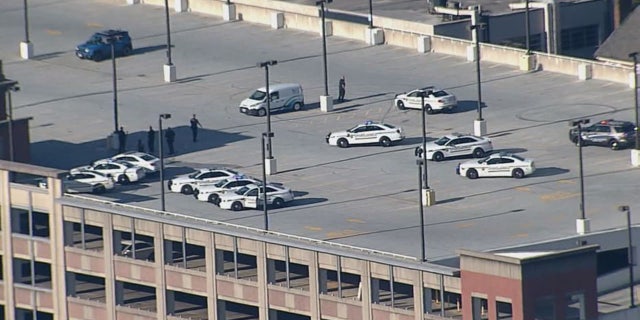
284 97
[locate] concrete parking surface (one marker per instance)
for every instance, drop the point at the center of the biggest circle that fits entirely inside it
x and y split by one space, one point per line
361 196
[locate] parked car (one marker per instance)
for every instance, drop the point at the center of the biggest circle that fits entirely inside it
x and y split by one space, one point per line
123 172
284 97
455 145
611 133
497 165
250 197
150 163
84 181
186 183
98 47
369 132
435 100
211 192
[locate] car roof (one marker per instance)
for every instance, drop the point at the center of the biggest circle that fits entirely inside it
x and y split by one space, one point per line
612 122
280 86
111 32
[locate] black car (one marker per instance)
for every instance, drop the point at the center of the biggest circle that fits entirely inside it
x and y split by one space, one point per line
98 47
611 133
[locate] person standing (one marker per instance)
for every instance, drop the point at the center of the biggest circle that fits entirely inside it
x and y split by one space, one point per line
342 88
140 146
151 139
171 138
194 122
122 140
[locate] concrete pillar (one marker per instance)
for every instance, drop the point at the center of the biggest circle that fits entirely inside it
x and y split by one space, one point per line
7 257
228 12
480 127
583 226
584 71
424 44
314 290
322 281
263 287
213 304
632 80
635 158
109 272
527 62
471 53
68 234
365 290
418 295
428 197
170 296
271 166
180 5
271 271
375 290
328 28
326 103
131 2
169 72
374 36
221 314
70 279
119 293
277 20
26 50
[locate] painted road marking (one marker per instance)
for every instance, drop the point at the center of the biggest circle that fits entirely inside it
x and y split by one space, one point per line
560 195
94 25
311 228
521 235
352 220
53 32
525 189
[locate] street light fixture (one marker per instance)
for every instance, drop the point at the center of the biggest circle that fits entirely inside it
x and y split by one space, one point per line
629 254
169 68
370 14
420 163
582 223
164 116
26 47
112 40
13 88
270 160
428 195
265 136
326 102
479 125
635 153
527 26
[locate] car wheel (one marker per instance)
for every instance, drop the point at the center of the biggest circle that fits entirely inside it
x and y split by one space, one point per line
385 141
236 206
186 189
518 173
343 143
472 174
99 189
297 106
438 156
429 109
127 51
97 57
262 112
400 105
613 145
478 153
213 197
123 179
278 202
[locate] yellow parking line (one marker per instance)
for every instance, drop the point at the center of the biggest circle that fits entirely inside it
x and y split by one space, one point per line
521 235
465 225
560 195
355 220
53 32
311 228
94 25
523 189
567 181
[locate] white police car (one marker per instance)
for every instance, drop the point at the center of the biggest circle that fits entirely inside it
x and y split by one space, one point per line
497 165
369 132
435 100
250 196
186 183
211 192
456 145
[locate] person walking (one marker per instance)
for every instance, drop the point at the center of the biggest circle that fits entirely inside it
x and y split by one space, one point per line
342 88
151 139
194 123
122 140
171 138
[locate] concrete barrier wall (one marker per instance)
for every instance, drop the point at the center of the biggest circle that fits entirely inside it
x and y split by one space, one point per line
400 33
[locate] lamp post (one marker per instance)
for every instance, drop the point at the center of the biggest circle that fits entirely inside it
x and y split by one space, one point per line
420 163
635 153
270 160
326 102
13 88
112 41
428 195
160 143
626 209
265 137
26 47
582 223
527 26
479 125
370 14
169 68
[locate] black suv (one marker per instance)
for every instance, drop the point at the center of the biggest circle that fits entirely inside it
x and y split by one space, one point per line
614 134
98 47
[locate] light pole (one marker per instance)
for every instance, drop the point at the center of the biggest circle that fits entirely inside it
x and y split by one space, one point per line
112 41
265 136
428 195
527 26
629 254
326 102
169 68
26 47
635 153
13 88
270 160
420 163
479 125
582 223
160 143
370 14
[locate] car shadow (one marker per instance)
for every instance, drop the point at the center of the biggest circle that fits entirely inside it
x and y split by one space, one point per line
510 150
549 171
468 105
415 140
143 50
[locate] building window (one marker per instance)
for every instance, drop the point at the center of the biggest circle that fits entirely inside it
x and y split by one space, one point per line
31 223
32 273
580 37
83 236
574 306
26 314
479 308
504 310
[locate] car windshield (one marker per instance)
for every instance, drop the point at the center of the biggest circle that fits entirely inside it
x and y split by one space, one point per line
147 157
95 39
258 95
221 183
242 190
440 93
442 141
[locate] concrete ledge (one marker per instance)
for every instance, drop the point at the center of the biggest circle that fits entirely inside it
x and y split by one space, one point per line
228 12
277 20
424 44
584 71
